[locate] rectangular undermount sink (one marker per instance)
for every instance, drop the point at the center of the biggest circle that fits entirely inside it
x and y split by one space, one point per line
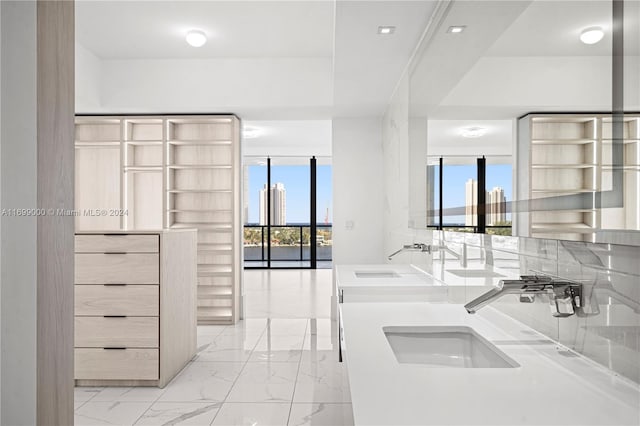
376 274
474 273
449 347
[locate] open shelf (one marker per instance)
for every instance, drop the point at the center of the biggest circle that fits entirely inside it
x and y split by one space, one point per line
170 172
572 154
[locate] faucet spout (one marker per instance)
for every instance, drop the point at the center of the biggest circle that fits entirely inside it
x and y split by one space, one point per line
565 297
421 247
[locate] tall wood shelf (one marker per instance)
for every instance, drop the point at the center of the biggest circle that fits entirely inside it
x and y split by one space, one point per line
572 154
169 172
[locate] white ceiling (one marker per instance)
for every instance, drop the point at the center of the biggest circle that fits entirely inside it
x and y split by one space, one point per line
368 65
299 138
240 29
283 59
277 61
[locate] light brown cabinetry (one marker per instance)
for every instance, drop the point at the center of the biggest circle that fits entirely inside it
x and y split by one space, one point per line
135 307
569 160
170 172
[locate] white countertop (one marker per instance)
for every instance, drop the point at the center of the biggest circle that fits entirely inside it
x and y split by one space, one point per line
410 284
408 275
551 386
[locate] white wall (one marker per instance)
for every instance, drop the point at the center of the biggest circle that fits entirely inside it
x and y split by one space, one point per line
395 146
18 190
253 88
358 191
89 79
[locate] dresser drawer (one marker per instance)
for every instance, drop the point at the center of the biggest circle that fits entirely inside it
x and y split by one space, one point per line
117 364
135 268
105 332
130 300
118 243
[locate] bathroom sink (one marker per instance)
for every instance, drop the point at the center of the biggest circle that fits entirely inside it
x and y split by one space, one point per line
474 273
450 347
378 274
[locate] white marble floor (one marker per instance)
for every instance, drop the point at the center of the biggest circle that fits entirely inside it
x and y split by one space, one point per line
277 367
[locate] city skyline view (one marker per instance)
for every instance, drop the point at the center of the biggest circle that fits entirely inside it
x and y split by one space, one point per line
296 184
455 178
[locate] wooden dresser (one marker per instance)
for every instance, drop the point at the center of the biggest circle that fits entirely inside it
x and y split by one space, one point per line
135 306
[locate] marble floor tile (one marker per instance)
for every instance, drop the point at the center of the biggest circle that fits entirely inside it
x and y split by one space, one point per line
232 414
286 327
270 342
265 382
276 356
110 413
180 413
202 381
223 355
248 326
321 415
247 342
128 394
325 381
84 394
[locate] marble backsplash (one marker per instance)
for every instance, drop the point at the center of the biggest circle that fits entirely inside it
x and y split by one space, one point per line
608 334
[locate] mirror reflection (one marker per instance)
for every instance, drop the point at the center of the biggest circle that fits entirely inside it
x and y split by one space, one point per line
548 93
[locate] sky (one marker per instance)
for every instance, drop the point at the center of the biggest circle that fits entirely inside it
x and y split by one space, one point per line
455 177
297 185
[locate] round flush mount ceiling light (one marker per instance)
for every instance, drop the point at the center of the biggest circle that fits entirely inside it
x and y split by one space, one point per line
251 132
473 132
196 38
591 35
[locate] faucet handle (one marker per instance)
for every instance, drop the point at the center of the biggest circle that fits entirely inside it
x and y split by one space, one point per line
563 300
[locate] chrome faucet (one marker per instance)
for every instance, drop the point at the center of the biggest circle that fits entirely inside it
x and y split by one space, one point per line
565 297
462 256
421 247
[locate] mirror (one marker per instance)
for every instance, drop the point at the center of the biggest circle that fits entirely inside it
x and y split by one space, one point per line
524 84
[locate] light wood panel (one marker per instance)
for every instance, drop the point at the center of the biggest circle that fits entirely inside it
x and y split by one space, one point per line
130 268
175 172
117 364
178 301
55 159
97 183
101 243
572 154
102 332
131 300
161 316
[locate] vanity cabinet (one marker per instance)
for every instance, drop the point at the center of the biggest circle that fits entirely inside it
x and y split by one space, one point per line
135 306
175 172
566 160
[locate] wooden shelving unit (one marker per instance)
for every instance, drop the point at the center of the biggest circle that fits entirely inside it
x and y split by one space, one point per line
571 154
171 172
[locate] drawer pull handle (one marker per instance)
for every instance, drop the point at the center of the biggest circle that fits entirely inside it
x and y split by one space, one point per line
114 316
115 252
118 348
116 284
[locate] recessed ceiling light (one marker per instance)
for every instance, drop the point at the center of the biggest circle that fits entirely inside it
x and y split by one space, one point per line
386 29
591 35
456 29
196 38
251 132
473 132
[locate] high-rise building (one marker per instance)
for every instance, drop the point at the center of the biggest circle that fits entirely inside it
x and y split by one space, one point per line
471 203
278 213
497 206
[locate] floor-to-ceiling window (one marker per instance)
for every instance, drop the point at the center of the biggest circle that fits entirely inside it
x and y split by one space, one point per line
280 194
